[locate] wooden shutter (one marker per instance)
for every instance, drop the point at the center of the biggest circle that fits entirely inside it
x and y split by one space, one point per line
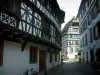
33 54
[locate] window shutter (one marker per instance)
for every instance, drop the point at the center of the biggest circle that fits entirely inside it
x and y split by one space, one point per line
33 54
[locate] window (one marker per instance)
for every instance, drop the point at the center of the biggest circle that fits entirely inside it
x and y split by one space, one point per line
33 54
91 36
86 5
86 42
89 19
69 36
71 50
50 57
77 42
1 53
95 11
69 42
85 24
83 41
65 37
96 31
89 1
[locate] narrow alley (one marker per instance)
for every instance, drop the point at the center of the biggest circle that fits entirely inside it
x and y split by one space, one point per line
36 36
71 68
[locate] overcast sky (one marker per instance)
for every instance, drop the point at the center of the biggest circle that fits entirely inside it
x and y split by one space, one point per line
70 7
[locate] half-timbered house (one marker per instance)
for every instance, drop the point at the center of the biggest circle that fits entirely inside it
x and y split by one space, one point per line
30 35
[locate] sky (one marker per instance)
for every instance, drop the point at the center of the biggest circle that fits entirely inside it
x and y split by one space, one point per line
70 7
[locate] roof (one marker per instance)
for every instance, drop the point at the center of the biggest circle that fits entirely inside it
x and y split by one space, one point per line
62 15
56 8
81 6
65 29
53 3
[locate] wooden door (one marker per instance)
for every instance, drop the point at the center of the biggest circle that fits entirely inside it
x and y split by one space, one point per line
98 55
42 60
92 57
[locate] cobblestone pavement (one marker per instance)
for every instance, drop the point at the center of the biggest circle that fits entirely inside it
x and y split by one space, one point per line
73 69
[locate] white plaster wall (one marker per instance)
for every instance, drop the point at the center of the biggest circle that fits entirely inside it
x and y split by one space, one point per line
14 61
86 49
48 63
55 62
95 43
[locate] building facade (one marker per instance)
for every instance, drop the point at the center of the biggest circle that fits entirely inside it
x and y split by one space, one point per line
30 35
89 24
70 39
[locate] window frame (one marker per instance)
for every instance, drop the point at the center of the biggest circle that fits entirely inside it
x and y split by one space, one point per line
96 31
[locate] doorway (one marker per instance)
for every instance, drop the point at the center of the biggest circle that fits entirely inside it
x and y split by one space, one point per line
98 55
42 60
98 58
92 57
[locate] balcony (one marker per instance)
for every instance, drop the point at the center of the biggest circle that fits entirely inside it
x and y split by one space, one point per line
31 27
